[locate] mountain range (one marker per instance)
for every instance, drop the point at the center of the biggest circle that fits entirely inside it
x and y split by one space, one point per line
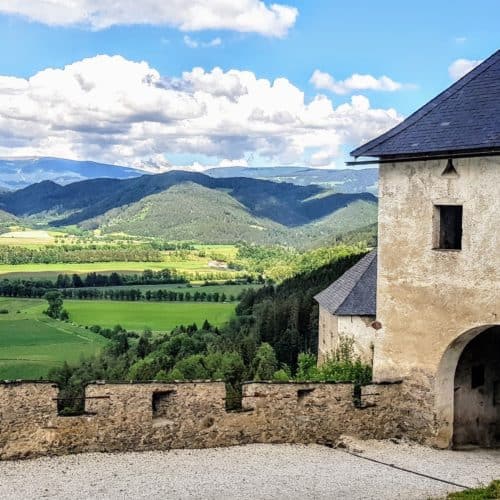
18 173
344 181
181 205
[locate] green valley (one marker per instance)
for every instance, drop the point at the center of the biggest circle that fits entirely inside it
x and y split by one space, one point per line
31 343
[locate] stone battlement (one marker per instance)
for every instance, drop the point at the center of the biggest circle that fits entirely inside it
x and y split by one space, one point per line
162 416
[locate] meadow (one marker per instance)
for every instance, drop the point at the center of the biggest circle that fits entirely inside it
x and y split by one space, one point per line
138 316
50 271
31 343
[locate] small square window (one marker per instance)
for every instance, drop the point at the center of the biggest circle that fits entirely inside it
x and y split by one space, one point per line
161 403
449 227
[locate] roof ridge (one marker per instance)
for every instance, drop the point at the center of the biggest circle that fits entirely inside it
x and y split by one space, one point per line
429 106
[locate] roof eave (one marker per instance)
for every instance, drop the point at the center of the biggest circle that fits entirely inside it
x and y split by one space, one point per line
424 156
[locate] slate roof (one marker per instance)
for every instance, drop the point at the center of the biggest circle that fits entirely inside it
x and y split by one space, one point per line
465 117
354 293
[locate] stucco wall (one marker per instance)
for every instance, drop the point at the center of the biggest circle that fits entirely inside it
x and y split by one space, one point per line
427 298
358 328
121 417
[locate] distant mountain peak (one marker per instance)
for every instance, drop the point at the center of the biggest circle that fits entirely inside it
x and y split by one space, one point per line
20 172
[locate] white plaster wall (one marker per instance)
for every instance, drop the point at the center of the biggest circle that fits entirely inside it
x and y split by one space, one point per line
328 334
426 298
332 328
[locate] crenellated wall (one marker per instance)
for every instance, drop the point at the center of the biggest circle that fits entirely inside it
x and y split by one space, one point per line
161 416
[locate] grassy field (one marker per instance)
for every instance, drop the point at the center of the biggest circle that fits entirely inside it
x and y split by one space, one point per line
227 252
158 316
31 343
50 271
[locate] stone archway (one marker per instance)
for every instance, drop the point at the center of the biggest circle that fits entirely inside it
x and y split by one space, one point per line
476 414
467 390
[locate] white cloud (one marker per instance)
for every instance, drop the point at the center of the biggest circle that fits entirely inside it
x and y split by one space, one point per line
118 111
190 42
215 42
253 16
461 67
354 83
460 39
194 44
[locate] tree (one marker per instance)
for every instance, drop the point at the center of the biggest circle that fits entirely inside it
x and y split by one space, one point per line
265 362
77 281
55 301
115 279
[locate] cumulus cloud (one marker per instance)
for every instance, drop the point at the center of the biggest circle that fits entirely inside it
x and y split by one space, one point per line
119 111
461 67
354 83
252 16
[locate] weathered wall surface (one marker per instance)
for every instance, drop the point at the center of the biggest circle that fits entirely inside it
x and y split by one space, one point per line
427 298
123 417
357 328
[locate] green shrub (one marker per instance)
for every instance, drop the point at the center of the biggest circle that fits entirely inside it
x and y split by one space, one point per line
4 311
341 366
490 492
265 362
281 376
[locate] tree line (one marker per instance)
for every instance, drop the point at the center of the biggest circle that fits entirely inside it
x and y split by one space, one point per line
70 254
136 294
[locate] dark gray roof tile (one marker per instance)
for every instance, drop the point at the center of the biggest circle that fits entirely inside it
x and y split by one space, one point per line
465 117
354 293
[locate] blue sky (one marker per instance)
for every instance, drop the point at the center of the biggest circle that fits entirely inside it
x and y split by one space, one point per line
412 43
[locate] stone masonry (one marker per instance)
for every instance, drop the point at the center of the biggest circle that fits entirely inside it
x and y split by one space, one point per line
162 416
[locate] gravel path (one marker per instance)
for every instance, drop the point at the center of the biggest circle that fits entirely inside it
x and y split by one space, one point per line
251 472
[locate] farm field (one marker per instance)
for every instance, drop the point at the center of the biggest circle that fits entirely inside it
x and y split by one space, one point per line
31 343
50 271
226 251
158 316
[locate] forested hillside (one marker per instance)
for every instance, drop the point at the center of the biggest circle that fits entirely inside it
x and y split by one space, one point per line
190 206
341 180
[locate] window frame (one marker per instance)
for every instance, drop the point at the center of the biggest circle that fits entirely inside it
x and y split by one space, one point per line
437 243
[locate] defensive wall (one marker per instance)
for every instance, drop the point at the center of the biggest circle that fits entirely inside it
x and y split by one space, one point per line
162 416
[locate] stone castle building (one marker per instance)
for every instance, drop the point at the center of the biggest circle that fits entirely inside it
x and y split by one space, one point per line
425 307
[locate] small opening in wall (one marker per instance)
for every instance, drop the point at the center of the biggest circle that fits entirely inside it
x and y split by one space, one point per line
449 227
477 376
161 402
303 393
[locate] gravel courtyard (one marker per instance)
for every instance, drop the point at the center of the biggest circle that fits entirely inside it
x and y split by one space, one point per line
252 472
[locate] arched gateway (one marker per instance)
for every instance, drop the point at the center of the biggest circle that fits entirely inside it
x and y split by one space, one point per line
468 390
